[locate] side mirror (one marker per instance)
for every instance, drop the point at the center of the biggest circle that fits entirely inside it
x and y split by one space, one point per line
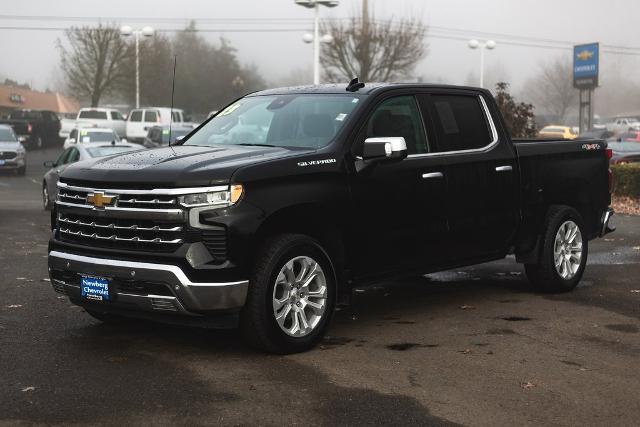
123 140
391 148
72 140
49 164
179 138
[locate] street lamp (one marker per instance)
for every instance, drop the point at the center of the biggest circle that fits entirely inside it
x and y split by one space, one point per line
147 31
475 44
315 37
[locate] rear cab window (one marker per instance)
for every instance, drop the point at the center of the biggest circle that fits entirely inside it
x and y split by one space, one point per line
93 114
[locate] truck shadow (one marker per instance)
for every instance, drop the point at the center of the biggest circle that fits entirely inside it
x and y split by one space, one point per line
387 302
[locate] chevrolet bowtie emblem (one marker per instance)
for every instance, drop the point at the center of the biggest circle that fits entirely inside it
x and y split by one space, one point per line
584 55
100 200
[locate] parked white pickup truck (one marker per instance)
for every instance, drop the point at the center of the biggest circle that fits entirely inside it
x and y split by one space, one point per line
102 118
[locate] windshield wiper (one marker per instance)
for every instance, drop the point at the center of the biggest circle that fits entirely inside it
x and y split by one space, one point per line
246 144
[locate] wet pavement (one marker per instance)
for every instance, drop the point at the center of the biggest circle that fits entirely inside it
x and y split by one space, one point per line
472 346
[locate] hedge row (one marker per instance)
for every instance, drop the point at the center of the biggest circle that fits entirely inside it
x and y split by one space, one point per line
626 180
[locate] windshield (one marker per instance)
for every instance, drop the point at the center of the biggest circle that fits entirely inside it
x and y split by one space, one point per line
292 121
7 135
92 136
108 150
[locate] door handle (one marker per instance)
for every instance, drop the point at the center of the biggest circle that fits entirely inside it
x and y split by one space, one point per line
504 168
432 175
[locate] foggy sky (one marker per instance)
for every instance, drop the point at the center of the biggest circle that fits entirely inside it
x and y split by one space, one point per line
31 56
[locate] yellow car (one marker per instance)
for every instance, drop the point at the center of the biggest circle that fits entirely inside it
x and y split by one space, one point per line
564 132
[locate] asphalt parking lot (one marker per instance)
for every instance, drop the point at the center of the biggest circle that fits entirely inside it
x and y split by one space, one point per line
471 346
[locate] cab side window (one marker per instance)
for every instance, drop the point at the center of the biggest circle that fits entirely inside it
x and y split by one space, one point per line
395 117
74 155
62 159
460 122
135 116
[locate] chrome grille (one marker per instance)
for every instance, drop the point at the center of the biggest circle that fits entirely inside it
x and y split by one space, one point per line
7 155
130 199
120 233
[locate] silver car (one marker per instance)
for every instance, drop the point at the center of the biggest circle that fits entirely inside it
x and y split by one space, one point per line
74 154
12 153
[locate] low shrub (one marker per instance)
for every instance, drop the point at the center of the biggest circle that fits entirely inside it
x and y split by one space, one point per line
626 180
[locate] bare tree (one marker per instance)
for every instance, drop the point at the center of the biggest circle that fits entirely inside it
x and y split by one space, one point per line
373 50
94 61
552 89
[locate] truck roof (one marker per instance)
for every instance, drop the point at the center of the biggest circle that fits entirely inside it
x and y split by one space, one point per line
341 88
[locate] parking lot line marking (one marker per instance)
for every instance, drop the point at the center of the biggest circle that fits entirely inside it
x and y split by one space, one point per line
34 181
4 184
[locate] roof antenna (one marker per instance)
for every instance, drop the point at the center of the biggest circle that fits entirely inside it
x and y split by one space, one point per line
354 85
173 88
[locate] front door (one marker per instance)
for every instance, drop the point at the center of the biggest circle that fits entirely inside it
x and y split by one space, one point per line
399 220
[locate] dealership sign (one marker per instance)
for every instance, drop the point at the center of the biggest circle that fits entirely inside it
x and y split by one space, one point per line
586 65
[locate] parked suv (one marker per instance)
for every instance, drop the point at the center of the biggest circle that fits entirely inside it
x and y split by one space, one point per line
140 120
287 198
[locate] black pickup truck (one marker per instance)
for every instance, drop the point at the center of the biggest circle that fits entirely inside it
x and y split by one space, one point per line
273 209
34 128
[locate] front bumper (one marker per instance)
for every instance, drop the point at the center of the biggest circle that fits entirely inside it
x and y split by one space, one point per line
145 287
14 163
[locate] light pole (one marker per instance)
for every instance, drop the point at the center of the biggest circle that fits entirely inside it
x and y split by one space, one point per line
475 44
315 38
146 32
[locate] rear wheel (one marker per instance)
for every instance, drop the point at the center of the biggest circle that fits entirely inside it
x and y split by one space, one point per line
564 252
291 295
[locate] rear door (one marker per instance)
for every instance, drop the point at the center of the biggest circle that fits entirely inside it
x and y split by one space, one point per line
399 221
482 200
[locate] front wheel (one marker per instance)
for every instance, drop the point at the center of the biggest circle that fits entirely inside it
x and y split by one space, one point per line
291 295
46 199
565 248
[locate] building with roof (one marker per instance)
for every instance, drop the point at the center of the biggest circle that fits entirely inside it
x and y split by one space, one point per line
13 98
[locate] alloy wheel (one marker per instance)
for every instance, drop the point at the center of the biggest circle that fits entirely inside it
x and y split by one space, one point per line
567 250
299 296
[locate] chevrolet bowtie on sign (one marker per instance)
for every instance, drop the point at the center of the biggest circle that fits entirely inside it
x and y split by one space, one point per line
100 200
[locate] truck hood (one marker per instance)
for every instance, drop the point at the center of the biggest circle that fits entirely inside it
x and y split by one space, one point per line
178 166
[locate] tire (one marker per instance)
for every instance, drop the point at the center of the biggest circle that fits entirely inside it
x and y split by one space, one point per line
107 317
545 276
46 199
278 275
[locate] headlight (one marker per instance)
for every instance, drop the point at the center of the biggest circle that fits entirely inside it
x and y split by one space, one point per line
215 199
